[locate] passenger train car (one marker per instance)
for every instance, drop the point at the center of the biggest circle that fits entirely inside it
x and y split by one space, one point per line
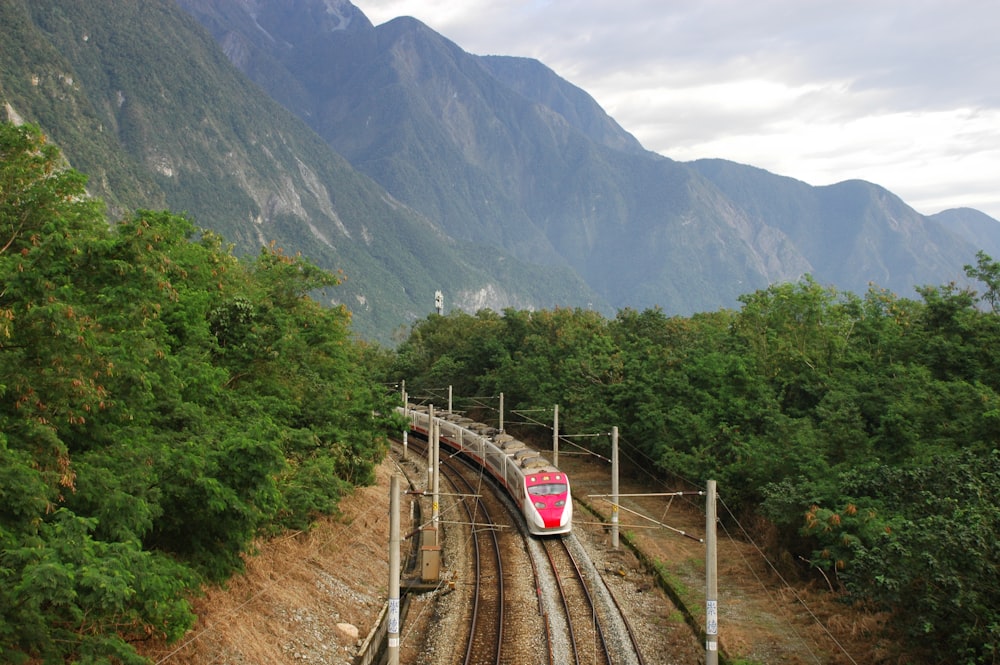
540 490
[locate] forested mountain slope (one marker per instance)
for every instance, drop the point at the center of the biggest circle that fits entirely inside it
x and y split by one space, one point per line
504 151
145 102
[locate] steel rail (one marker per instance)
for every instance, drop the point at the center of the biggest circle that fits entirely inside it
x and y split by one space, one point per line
478 533
582 580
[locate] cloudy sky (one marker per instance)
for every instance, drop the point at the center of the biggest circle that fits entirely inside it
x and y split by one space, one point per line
904 93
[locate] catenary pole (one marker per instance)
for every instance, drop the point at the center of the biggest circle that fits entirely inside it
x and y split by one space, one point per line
711 581
436 506
406 414
393 627
501 412
430 446
614 487
555 436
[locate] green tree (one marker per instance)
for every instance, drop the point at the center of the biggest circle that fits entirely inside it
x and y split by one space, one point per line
920 541
72 582
987 271
162 404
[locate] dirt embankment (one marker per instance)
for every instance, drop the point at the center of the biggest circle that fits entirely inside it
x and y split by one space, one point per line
305 597
311 597
764 617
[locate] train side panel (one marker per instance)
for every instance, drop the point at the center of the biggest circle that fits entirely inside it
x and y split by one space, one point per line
540 491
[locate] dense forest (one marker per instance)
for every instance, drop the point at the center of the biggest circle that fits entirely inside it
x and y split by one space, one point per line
162 404
862 429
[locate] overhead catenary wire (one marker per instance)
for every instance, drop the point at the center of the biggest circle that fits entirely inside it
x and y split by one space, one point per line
657 523
643 463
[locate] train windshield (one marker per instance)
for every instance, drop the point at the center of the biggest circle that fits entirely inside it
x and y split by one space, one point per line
547 489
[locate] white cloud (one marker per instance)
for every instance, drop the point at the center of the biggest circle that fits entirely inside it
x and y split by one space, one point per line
899 92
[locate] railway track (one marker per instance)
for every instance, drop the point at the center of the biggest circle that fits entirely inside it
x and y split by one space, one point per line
485 641
586 638
530 599
489 540
587 624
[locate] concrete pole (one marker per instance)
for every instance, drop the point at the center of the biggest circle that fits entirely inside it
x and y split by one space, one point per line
711 581
406 414
449 399
555 437
394 570
430 446
614 487
435 507
501 412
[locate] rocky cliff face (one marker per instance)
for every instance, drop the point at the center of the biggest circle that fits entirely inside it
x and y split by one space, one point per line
142 99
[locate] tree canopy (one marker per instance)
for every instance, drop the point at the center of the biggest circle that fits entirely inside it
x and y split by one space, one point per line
162 404
865 428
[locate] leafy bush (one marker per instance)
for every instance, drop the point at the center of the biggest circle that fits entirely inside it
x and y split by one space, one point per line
865 428
162 404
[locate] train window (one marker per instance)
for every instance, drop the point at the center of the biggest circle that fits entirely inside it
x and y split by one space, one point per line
547 489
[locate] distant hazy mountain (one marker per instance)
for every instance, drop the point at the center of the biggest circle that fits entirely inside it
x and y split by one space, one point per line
503 151
139 96
978 228
394 155
852 233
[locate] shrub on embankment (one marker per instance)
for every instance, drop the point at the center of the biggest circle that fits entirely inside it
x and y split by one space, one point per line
162 403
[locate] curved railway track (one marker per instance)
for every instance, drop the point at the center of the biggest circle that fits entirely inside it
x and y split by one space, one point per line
586 637
632 636
577 616
485 643
484 640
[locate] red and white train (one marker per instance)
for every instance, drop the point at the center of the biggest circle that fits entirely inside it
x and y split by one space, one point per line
540 490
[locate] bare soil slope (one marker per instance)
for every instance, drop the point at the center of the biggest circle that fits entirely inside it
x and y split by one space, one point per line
304 594
764 617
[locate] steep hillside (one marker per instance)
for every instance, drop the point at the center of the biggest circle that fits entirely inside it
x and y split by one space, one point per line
541 85
850 234
140 97
39 84
505 151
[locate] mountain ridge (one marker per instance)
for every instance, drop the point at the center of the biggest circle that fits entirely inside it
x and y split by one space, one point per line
390 153
526 161
194 134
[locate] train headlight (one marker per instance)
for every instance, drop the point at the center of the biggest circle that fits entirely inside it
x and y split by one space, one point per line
540 505
560 503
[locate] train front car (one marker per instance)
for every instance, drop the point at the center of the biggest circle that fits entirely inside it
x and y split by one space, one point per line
548 508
